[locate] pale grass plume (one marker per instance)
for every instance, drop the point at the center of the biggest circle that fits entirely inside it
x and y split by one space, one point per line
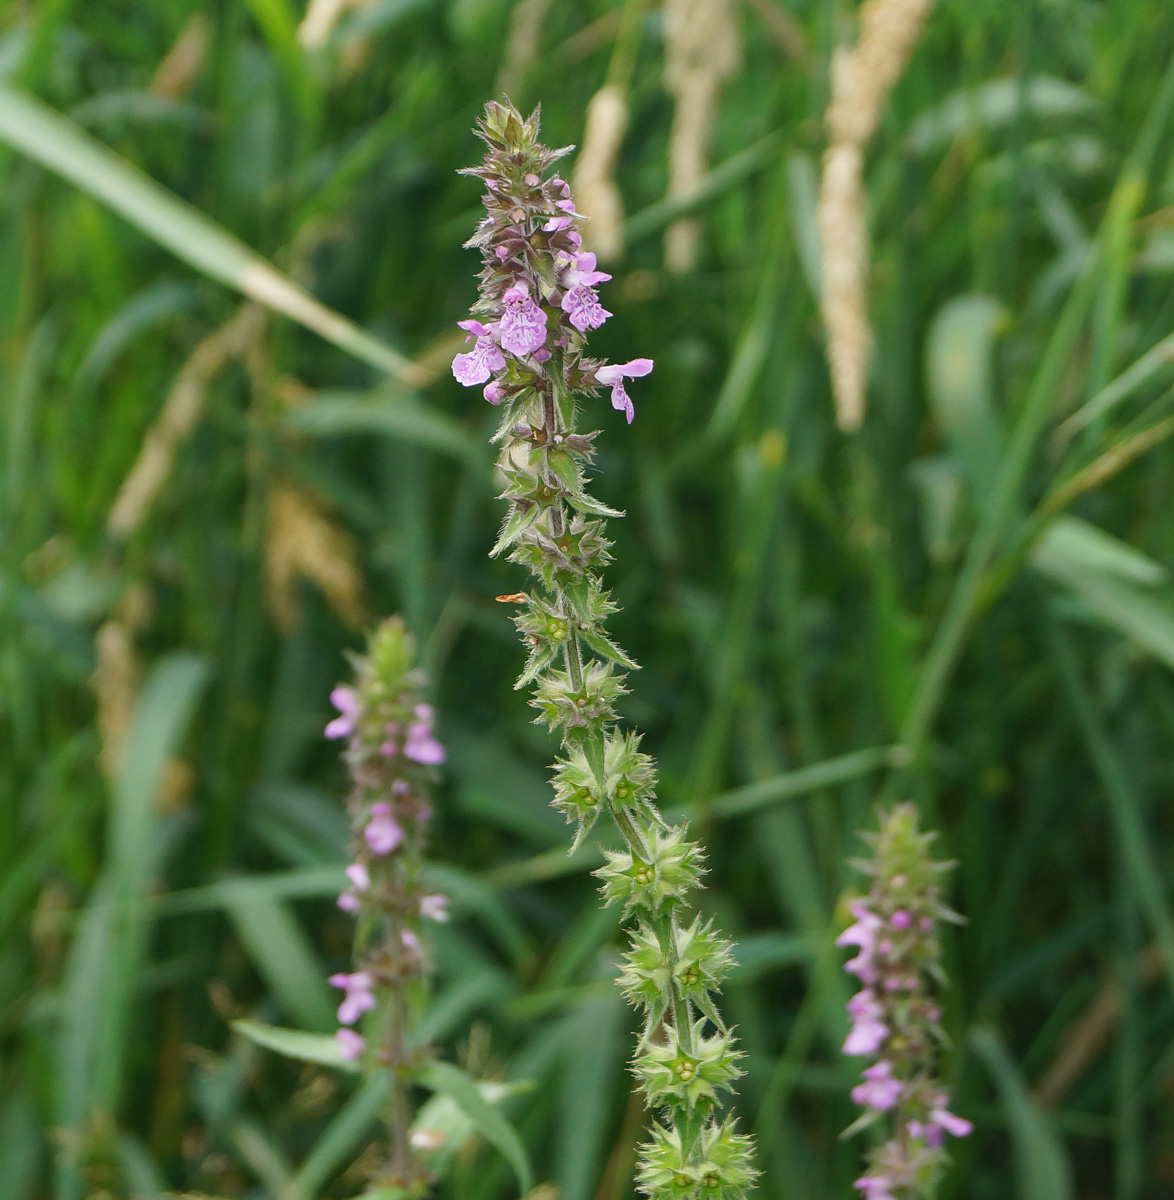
182 64
116 681
302 542
116 678
521 48
322 16
180 414
861 78
701 52
593 180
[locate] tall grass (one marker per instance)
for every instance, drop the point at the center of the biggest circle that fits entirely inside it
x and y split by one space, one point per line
966 604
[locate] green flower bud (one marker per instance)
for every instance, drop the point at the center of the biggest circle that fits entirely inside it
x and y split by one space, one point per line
703 959
719 1166
671 1075
559 702
673 868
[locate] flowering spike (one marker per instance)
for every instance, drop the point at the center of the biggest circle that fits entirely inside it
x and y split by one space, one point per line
390 752
895 1019
538 301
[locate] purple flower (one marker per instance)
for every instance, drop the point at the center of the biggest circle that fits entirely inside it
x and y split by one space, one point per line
613 376
350 1044
410 940
580 302
940 1118
863 934
348 902
495 393
523 324
868 1030
382 833
434 908
347 703
881 1090
478 364
358 999
422 747
875 1187
558 224
359 876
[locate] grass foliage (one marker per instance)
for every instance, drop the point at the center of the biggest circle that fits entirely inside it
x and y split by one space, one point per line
968 604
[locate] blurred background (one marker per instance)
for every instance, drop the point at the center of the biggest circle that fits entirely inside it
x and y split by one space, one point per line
204 502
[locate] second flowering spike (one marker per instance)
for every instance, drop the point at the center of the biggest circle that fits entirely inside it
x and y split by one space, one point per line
895 1017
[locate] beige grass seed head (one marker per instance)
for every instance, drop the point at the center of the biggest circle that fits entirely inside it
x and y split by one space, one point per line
701 53
593 180
860 82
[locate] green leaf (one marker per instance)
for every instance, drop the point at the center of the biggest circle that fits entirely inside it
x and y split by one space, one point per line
516 524
451 1081
958 369
296 1043
283 955
334 414
1041 1163
277 23
57 143
588 504
20 1147
997 104
1074 549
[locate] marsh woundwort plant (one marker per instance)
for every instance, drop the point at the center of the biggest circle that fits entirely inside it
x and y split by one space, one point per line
391 753
537 302
895 1019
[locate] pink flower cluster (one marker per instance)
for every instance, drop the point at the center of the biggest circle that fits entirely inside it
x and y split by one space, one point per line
894 1018
539 292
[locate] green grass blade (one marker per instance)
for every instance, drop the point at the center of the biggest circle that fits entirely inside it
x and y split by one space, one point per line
282 953
55 142
1041 1164
1124 805
108 950
340 1139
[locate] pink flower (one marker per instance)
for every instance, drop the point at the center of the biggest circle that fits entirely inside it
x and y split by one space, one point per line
868 1030
522 327
495 393
360 881
422 747
350 1044
901 919
953 1125
358 999
613 376
557 224
478 364
434 908
580 302
862 934
875 1187
382 833
347 703
410 940
880 1089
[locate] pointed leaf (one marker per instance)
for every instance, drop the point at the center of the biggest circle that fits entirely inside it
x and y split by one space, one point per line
296 1043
